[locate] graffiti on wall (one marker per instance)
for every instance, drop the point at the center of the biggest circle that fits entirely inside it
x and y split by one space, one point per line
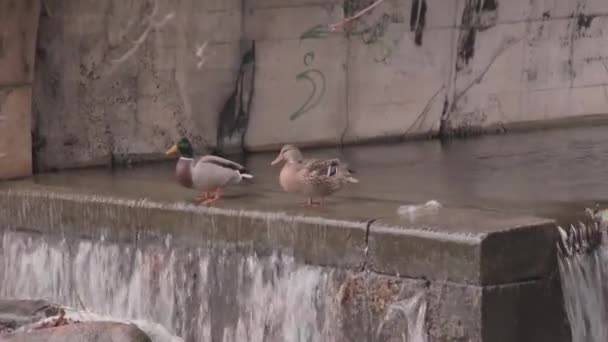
381 30
377 34
316 79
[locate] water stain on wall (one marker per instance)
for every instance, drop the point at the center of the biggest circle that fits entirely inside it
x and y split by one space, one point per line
418 20
234 116
583 23
478 15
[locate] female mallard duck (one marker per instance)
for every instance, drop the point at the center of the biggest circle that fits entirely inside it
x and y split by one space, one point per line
311 177
207 174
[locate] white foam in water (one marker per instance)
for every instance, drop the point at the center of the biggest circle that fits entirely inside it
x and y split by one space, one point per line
414 311
150 287
584 275
250 298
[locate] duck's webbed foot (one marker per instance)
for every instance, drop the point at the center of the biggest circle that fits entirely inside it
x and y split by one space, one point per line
310 203
203 197
217 196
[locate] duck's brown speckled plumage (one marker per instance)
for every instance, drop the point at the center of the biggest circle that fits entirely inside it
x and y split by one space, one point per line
311 177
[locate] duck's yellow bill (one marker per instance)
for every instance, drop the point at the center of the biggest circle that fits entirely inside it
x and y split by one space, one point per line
172 150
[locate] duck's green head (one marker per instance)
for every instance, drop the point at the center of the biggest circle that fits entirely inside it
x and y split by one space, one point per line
184 148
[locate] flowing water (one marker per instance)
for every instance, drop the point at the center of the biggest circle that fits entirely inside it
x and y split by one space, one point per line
583 266
198 294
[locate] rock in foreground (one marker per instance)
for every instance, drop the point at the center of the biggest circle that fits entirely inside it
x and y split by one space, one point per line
89 331
17 313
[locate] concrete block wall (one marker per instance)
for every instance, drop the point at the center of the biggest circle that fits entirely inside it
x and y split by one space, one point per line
537 61
300 84
18 28
484 276
118 81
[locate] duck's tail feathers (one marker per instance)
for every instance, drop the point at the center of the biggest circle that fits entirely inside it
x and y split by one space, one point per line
246 176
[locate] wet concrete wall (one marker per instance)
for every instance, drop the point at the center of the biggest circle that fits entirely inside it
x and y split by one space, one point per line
464 275
119 80
18 27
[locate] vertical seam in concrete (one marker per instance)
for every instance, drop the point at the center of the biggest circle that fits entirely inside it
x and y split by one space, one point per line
524 63
34 125
107 133
451 81
346 91
573 25
243 31
251 95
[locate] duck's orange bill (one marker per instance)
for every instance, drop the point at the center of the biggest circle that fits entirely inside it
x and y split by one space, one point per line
172 150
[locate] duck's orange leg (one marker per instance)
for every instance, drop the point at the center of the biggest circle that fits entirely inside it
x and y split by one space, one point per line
310 203
203 197
217 196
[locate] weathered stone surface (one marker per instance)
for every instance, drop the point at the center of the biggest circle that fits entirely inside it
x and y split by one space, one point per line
381 308
464 246
19 23
300 83
528 312
519 254
118 81
90 331
230 289
137 78
15 131
459 245
19 312
543 70
18 29
396 84
476 270
468 246
310 240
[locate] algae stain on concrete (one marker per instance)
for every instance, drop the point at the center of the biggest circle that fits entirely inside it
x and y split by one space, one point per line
478 15
418 19
2 48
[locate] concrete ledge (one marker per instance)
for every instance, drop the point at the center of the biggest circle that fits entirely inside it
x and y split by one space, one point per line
311 240
457 245
484 275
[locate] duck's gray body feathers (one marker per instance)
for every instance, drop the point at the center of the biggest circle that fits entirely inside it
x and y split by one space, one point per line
209 173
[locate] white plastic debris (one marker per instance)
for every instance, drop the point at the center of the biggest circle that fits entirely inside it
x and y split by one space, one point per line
413 211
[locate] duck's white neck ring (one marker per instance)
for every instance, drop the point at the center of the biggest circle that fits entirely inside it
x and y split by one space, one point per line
188 159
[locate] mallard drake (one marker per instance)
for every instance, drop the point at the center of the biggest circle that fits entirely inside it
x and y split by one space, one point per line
312 178
209 174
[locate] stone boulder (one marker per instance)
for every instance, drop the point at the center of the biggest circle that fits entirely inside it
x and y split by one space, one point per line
17 313
89 331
